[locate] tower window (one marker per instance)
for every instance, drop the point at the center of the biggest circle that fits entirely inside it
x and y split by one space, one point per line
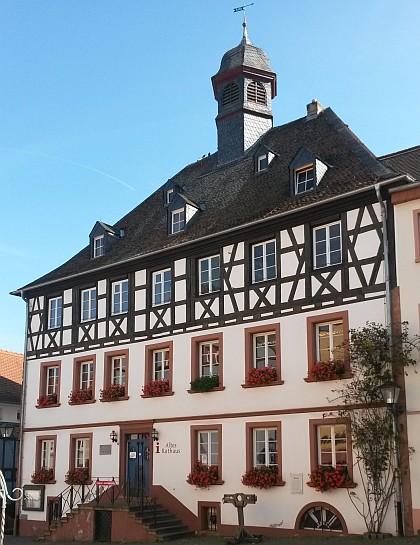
230 93
255 92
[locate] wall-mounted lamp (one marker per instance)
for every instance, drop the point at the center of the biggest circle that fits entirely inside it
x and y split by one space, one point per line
155 435
390 392
113 436
6 431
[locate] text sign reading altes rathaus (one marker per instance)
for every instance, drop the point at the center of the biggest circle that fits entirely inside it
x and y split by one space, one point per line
169 448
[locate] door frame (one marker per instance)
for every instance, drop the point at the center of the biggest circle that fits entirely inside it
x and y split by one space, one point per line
127 429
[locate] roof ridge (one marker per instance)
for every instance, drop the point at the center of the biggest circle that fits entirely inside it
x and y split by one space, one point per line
400 152
10 352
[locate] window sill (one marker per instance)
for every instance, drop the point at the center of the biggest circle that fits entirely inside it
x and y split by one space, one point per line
52 405
84 484
87 402
214 293
350 484
122 398
165 394
274 383
46 482
347 374
216 389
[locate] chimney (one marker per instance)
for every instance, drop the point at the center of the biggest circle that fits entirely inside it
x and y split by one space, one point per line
313 109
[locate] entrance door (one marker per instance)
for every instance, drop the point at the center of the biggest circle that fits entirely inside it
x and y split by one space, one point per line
138 453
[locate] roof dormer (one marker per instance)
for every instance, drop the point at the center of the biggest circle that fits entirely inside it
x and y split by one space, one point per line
170 189
180 212
306 171
102 237
262 159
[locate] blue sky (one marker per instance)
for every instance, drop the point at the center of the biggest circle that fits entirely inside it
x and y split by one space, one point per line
103 100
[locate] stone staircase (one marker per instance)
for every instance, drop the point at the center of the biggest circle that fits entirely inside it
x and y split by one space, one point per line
161 523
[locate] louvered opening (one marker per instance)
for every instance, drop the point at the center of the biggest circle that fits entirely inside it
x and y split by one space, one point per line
256 93
230 93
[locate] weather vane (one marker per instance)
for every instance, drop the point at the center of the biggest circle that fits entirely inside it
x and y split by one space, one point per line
242 8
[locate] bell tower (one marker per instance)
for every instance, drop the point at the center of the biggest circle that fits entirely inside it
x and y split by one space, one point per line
244 87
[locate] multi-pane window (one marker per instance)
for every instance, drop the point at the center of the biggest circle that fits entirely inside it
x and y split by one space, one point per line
264 261
55 312
52 379
161 364
327 245
120 297
177 220
86 375
264 350
329 340
332 445
209 358
209 271
82 453
208 447
88 304
162 286
265 447
47 453
99 246
118 370
304 180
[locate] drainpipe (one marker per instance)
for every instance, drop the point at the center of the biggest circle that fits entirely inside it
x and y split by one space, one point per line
386 260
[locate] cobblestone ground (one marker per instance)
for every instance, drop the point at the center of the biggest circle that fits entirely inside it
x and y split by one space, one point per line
298 540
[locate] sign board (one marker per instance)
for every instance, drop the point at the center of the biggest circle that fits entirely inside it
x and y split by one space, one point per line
104 483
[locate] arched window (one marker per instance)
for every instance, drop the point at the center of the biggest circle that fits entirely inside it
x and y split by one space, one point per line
255 92
230 93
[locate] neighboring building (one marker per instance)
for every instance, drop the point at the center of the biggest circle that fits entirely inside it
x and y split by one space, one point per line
406 201
250 264
11 367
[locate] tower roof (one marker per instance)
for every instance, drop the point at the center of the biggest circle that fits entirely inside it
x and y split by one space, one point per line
245 54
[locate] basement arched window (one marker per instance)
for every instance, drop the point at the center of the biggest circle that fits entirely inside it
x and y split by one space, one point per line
255 92
230 93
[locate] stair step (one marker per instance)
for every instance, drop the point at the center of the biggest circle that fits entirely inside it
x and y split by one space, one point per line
170 536
170 527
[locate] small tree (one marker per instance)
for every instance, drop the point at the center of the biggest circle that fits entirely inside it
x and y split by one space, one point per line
375 357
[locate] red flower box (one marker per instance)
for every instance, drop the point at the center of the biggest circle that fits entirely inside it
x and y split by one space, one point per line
202 476
46 400
261 477
77 475
264 375
113 392
327 370
80 396
327 478
156 388
42 476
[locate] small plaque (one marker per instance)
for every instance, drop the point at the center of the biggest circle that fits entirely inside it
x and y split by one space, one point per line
297 483
104 450
133 455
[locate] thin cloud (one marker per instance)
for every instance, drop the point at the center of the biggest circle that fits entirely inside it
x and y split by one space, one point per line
13 251
86 167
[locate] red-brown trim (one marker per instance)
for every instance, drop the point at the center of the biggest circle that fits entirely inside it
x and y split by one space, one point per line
313 441
194 446
311 322
409 194
43 370
72 449
76 374
202 506
416 226
148 368
38 452
126 429
318 504
195 363
249 440
108 356
249 356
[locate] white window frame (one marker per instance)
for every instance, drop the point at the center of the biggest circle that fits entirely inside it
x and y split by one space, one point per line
162 287
303 172
55 312
99 246
333 442
88 304
118 370
266 451
268 345
161 364
169 195
331 338
262 162
120 297
82 453
208 447
213 276
52 380
208 359
177 220
47 453
86 375
328 239
263 258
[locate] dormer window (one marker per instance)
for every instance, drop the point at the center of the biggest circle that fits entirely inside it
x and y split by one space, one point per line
177 220
99 246
262 158
262 162
169 195
304 179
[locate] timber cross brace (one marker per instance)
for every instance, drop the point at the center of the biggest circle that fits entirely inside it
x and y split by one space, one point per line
240 501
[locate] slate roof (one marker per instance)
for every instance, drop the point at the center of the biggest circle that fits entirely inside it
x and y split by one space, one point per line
233 195
406 161
11 369
245 55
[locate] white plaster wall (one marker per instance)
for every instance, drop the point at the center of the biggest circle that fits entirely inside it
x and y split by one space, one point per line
8 412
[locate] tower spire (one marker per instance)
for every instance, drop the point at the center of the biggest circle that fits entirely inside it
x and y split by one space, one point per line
245 38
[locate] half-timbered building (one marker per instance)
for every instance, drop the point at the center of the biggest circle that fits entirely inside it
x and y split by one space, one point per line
179 344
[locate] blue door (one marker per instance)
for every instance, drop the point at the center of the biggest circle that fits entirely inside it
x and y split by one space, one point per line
138 476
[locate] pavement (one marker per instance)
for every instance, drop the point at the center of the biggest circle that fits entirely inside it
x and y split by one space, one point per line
292 540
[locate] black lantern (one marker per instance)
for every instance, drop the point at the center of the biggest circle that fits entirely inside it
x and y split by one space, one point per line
390 392
155 435
113 436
